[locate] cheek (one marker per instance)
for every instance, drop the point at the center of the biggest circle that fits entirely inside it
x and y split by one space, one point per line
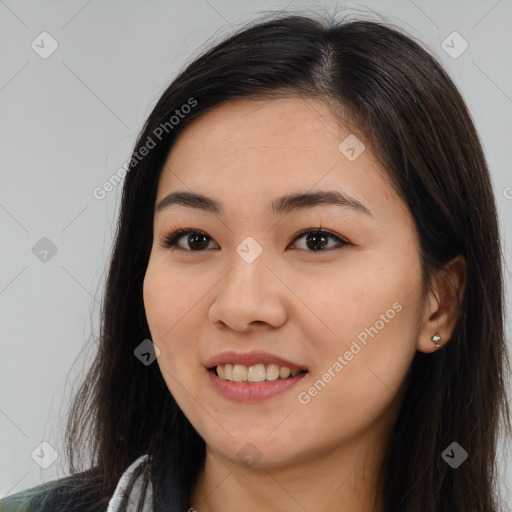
169 306
365 303
165 305
167 300
357 383
372 315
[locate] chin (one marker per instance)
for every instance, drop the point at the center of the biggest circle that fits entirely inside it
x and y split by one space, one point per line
257 451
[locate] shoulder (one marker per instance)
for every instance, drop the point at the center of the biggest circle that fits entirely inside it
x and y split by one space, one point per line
55 496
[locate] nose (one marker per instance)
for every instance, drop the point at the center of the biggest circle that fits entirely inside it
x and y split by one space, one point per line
250 296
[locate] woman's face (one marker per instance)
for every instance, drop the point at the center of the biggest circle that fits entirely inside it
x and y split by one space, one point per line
343 307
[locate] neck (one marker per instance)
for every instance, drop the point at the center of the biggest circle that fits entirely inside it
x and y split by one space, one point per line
345 479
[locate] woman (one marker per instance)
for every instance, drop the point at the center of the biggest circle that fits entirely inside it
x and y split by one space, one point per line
304 309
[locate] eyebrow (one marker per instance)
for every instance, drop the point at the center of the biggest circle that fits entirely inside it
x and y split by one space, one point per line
278 206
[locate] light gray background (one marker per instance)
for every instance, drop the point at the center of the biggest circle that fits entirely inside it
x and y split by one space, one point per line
69 121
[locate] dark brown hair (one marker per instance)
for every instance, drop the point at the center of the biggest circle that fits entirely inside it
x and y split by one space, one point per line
394 93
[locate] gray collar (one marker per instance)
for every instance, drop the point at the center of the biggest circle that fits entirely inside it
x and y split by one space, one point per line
129 490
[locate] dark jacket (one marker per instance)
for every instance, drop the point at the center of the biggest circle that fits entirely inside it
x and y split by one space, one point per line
55 496
63 495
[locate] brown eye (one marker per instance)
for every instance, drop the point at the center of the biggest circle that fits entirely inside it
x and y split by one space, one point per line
195 241
317 240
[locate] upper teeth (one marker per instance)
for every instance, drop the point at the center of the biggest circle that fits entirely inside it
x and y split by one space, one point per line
254 373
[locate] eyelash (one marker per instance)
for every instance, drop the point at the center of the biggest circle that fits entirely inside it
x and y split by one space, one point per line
170 241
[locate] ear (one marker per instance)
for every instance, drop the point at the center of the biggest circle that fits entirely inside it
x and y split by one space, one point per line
442 304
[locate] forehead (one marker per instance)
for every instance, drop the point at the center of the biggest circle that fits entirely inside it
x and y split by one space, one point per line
253 150
285 138
266 125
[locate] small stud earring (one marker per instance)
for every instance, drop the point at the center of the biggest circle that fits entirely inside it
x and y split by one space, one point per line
436 338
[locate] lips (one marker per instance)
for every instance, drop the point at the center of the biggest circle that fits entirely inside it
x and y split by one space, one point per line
250 359
250 392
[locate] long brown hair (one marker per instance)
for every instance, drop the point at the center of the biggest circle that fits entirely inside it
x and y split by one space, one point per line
395 93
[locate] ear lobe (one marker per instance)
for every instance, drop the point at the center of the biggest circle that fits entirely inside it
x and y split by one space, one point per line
444 302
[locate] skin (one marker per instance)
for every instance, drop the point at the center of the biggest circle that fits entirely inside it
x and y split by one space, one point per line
299 304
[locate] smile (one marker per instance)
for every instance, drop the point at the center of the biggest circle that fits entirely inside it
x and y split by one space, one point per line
246 391
254 373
